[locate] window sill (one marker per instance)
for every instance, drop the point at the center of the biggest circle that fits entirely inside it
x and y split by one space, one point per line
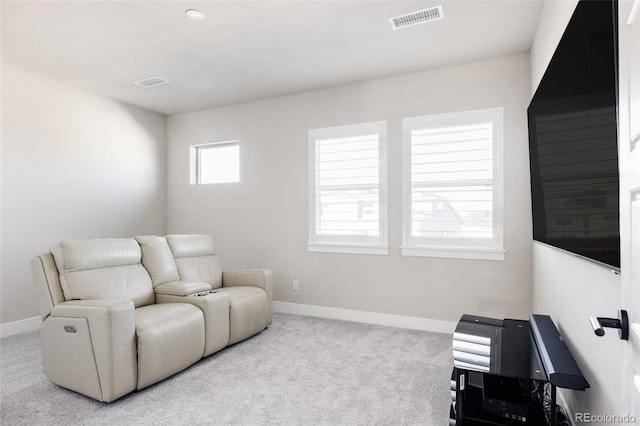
454 252
348 248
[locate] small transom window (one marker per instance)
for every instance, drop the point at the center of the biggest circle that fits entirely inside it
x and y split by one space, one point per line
215 163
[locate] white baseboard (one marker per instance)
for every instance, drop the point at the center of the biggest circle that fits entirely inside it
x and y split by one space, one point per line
22 326
414 323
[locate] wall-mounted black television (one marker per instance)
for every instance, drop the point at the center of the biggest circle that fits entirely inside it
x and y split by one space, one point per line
573 141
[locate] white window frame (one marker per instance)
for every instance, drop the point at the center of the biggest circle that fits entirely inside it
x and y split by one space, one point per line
455 247
376 245
195 161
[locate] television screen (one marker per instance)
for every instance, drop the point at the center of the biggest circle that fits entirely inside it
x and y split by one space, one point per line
573 139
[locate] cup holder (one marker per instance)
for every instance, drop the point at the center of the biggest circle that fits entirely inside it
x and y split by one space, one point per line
205 293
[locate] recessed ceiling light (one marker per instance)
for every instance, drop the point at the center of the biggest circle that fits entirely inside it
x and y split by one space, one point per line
194 14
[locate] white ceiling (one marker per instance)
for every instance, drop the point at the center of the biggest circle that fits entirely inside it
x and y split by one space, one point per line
249 50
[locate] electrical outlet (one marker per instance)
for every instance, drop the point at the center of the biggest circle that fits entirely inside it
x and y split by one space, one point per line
296 285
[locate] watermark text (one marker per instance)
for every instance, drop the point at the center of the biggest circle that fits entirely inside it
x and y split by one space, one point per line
604 418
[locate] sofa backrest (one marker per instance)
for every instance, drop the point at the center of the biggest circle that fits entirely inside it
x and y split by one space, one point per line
108 268
195 258
46 280
158 259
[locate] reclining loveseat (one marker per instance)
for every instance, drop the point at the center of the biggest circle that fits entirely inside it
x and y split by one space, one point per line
120 314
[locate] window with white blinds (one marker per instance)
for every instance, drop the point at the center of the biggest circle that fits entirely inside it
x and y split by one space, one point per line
347 200
453 185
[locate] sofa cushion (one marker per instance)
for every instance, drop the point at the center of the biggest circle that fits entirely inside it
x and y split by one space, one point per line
190 245
181 288
248 313
79 255
195 258
157 259
108 268
170 338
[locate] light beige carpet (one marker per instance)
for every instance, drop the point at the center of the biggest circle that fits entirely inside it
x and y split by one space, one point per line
300 371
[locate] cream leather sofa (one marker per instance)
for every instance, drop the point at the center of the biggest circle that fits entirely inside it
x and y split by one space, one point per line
120 314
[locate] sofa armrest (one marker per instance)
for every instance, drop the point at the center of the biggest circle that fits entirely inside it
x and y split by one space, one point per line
262 278
90 346
181 288
248 277
99 309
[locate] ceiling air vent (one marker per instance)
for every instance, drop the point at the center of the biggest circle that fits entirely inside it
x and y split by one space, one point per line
151 81
416 18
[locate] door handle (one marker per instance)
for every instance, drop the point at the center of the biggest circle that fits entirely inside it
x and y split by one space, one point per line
621 323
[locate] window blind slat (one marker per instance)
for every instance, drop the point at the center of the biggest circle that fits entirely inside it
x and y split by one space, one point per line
459 147
453 166
451 156
324 157
451 176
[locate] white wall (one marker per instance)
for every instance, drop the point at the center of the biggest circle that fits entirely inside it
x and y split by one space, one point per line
262 221
74 165
570 289
553 20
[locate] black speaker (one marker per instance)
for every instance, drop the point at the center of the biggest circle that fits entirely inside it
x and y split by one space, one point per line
559 365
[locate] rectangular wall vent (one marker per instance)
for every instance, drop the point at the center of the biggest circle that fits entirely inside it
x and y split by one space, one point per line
151 81
416 18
